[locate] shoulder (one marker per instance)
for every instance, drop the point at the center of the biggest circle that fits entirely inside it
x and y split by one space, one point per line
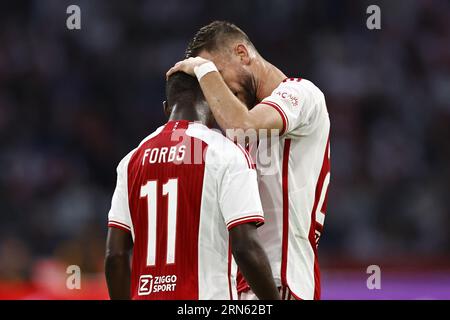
220 149
299 88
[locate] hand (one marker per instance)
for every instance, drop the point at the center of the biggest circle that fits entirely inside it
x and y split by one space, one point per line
186 66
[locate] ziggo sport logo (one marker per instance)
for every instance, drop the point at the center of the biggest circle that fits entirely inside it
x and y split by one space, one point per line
149 284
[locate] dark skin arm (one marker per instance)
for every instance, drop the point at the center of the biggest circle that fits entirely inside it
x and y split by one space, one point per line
119 245
252 261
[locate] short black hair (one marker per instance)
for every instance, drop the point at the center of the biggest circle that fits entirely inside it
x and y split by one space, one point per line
213 36
182 88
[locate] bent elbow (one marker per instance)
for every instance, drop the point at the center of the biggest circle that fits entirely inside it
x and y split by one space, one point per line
244 124
241 128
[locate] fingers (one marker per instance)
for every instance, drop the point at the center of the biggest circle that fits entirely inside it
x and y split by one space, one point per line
186 65
175 68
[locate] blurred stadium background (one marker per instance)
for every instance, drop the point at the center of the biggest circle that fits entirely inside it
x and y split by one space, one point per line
73 103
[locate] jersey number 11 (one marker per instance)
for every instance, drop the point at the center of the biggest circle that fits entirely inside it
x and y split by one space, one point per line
149 191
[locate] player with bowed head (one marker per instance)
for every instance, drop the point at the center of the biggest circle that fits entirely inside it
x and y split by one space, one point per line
182 218
244 91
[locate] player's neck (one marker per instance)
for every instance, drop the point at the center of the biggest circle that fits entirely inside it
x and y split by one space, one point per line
268 77
180 112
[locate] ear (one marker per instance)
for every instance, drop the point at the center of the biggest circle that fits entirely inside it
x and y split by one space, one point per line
243 52
166 108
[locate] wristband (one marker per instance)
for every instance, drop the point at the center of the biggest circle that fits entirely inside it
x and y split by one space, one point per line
203 69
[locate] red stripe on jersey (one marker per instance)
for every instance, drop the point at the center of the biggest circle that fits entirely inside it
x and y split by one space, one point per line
189 176
250 163
241 283
254 218
120 223
292 79
229 269
294 295
176 125
285 182
123 227
314 225
281 112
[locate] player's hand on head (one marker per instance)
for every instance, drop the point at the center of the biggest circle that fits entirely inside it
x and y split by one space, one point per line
187 66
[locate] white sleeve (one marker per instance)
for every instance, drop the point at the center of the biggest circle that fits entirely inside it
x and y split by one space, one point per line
239 199
298 101
119 214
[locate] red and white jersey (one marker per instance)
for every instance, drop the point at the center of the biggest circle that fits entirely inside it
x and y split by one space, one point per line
178 193
294 186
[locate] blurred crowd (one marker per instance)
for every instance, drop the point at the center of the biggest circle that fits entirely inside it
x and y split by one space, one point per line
74 102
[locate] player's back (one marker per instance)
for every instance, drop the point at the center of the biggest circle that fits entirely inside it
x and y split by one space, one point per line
181 248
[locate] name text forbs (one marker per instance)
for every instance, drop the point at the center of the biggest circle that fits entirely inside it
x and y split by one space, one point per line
164 154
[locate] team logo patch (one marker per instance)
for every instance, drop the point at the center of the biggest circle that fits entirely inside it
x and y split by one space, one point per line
149 284
288 96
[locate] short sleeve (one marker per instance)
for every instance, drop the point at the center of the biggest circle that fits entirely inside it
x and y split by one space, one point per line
239 198
119 214
296 100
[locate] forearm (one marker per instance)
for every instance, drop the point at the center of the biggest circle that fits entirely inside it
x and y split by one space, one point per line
118 273
228 110
255 267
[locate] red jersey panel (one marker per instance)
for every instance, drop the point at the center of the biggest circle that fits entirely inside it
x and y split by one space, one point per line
151 167
178 194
